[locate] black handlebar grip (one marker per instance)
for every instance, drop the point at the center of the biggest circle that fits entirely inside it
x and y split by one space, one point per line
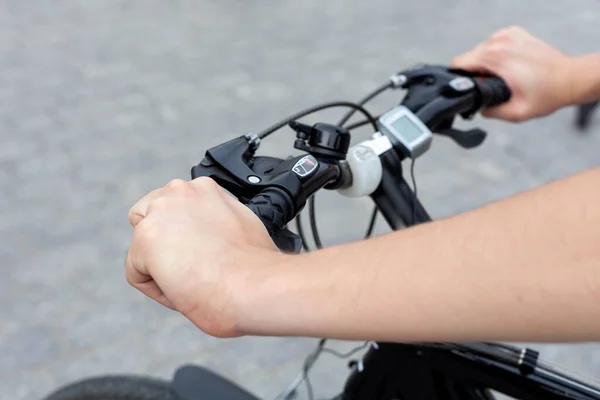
494 91
274 207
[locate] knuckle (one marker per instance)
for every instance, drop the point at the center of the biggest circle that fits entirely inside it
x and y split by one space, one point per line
160 204
457 60
511 30
497 50
205 183
520 114
514 29
506 34
177 184
499 38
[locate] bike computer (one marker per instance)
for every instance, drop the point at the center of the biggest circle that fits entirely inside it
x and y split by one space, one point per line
405 130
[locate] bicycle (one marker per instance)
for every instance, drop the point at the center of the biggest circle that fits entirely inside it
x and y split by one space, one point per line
277 190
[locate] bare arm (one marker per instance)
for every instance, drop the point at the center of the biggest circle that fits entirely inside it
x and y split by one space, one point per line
523 269
587 78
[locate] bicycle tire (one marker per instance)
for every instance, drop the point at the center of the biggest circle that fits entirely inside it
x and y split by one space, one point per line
117 387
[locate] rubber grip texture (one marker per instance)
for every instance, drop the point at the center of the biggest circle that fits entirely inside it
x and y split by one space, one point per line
274 208
494 91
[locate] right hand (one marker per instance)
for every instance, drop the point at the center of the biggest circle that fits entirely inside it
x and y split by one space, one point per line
538 75
197 250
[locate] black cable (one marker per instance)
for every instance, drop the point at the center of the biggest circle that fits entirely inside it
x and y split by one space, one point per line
359 123
311 202
300 230
314 109
364 100
415 198
345 118
372 223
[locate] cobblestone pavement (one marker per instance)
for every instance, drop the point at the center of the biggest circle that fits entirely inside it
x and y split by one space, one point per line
102 101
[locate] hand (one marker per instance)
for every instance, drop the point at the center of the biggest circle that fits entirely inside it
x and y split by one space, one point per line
539 75
193 247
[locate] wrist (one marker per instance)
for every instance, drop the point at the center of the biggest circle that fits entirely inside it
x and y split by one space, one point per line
258 291
584 79
290 295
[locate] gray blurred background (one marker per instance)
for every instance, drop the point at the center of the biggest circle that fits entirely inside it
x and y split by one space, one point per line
101 102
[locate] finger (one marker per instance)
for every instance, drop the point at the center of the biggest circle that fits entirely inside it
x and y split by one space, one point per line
510 115
473 60
208 187
144 282
230 201
493 112
152 290
138 211
233 202
507 112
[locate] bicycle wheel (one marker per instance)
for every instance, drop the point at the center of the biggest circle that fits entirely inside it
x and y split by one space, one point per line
116 388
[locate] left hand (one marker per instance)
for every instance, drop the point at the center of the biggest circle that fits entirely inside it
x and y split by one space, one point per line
540 76
193 249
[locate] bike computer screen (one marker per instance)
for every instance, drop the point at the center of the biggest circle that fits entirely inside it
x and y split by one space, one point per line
405 129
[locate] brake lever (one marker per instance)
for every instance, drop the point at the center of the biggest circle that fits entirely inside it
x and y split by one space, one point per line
426 83
227 165
287 241
233 166
466 139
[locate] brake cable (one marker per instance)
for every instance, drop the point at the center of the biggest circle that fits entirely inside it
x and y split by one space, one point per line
359 124
320 348
356 107
311 201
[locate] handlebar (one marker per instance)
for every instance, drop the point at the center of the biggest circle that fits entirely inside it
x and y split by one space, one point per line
395 199
276 190
459 96
441 109
273 207
494 91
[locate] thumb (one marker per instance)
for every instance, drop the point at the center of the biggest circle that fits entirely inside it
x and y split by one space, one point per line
497 112
471 61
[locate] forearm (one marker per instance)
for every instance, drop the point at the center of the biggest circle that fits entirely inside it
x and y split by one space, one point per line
586 78
523 269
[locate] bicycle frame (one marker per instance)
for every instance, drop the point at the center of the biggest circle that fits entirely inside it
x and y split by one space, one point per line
411 371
